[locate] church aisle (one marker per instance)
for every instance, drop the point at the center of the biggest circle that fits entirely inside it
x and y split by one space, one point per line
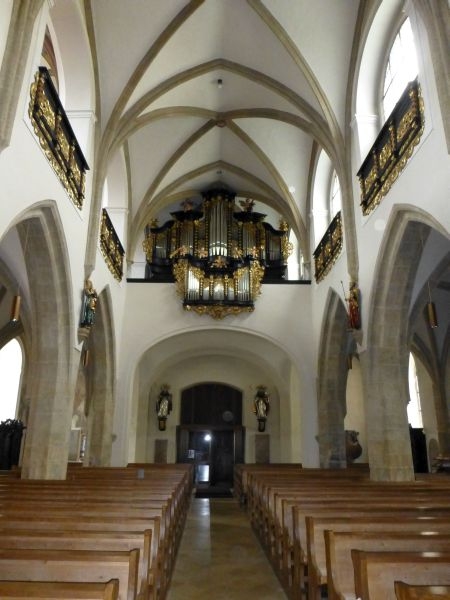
220 557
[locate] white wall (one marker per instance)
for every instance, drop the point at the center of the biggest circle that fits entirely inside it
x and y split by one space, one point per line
275 339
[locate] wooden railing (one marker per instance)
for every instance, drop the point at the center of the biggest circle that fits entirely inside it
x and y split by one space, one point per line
392 148
111 247
56 136
329 248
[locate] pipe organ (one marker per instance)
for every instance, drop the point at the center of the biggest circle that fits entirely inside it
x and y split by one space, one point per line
218 253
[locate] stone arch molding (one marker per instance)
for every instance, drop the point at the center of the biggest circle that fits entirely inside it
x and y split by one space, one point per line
332 381
49 380
273 363
388 344
100 374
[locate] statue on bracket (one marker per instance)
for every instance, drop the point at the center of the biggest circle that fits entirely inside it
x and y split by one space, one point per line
354 306
163 406
261 406
89 304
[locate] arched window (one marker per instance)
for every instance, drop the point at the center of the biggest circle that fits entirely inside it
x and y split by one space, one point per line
335 196
11 359
48 59
401 67
414 407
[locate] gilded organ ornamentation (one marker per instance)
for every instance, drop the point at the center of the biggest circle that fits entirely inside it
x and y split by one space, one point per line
217 253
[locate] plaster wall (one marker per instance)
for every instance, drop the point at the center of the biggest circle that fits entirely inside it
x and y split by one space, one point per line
28 180
229 370
278 345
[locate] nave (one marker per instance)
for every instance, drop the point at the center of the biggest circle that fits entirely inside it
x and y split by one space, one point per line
220 557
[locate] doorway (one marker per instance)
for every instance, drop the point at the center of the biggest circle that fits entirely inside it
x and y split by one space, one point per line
213 451
210 435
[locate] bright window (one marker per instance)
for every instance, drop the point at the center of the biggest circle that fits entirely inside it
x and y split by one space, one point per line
401 68
335 196
414 408
10 372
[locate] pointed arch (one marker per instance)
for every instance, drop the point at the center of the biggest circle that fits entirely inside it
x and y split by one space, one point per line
332 380
49 378
388 344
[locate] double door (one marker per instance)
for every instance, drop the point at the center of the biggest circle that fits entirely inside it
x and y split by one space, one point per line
213 451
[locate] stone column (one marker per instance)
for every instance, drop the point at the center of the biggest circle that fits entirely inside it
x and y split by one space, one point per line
12 71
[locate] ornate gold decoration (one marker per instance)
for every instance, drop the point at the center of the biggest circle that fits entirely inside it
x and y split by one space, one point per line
220 262
56 137
217 253
219 312
110 247
329 248
392 149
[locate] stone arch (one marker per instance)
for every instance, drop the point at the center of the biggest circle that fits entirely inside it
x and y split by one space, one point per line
388 344
332 380
49 380
193 356
100 369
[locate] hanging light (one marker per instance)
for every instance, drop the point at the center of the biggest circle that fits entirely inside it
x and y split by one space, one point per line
431 311
432 315
17 299
86 357
15 308
430 306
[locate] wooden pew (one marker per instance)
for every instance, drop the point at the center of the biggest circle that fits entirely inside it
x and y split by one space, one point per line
94 525
305 539
46 539
340 574
376 572
274 497
73 566
112 502
273 521
406 591
58 590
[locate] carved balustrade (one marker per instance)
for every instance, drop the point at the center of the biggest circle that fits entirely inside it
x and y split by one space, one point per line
328 249
392 148
56 136
111 246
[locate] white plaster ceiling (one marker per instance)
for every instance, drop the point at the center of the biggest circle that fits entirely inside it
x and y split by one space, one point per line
284 65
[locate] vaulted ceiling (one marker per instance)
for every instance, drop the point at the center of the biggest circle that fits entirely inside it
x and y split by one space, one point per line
237 93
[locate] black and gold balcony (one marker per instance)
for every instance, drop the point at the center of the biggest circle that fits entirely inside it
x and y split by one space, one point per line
111 246
217 253
392 148
328 249
56 137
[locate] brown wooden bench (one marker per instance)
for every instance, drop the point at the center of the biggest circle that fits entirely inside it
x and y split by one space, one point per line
405 591
73 566
59 590
273 498
157 579
46 539
374 512
340 574
112 502
376 572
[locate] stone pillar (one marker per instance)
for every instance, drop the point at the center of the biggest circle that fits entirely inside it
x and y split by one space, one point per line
332 385
14 62
52 371
385 364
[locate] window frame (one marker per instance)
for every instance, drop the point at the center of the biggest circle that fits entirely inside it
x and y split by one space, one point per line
395 31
